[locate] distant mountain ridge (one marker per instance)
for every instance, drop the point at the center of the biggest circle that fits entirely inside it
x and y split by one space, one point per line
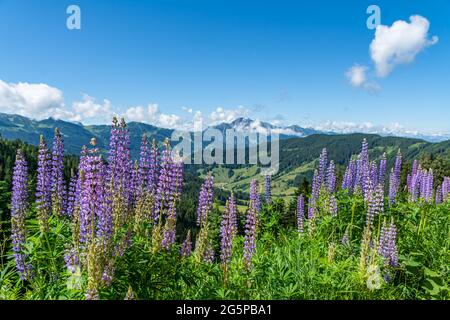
76 134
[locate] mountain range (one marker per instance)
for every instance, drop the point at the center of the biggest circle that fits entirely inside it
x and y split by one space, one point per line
77 134
299 147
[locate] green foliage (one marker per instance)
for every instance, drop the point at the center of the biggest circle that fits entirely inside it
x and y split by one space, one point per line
287 265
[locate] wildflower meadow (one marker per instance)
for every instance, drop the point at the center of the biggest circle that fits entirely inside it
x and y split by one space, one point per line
110 230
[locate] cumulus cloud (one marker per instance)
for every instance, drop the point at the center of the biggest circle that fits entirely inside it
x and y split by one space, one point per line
32 100
227 115
399 43
152 115
88 109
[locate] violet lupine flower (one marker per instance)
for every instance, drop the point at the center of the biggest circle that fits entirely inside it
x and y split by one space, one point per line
300 213
446 189
153 167
323 161
44 185
393 187
439 195
163 197
387 247
374 173
369 189
19 206
119 172
311 208
375 204
210 254
427 186
227 230
72 260
348 182
144 164
205 200
267 189
251 225
58 188
382 169
315 185
363 166
71 194
186 247
95 219
331 178
415 184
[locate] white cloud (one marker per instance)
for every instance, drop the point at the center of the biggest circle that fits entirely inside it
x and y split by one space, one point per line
151 115
32 100
399 43
357 75
88 109
227 115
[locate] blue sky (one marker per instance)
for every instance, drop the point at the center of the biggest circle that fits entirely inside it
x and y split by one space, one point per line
273 60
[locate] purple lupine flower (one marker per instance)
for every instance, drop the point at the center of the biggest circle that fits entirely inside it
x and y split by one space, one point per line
153 167
44 185
119 179
71 194
374 173
427 182
363 166
348 183
95 218
300 213
387 247
375 204
446 189
382 170
205 199
369 189
210 255
144 164
315 185
415 184
58 188
323 161
251 225
267 189
439 195
135 183
186 247
330 181
393 187
164 193
311 208
108 274
72 260
227 230
19 206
